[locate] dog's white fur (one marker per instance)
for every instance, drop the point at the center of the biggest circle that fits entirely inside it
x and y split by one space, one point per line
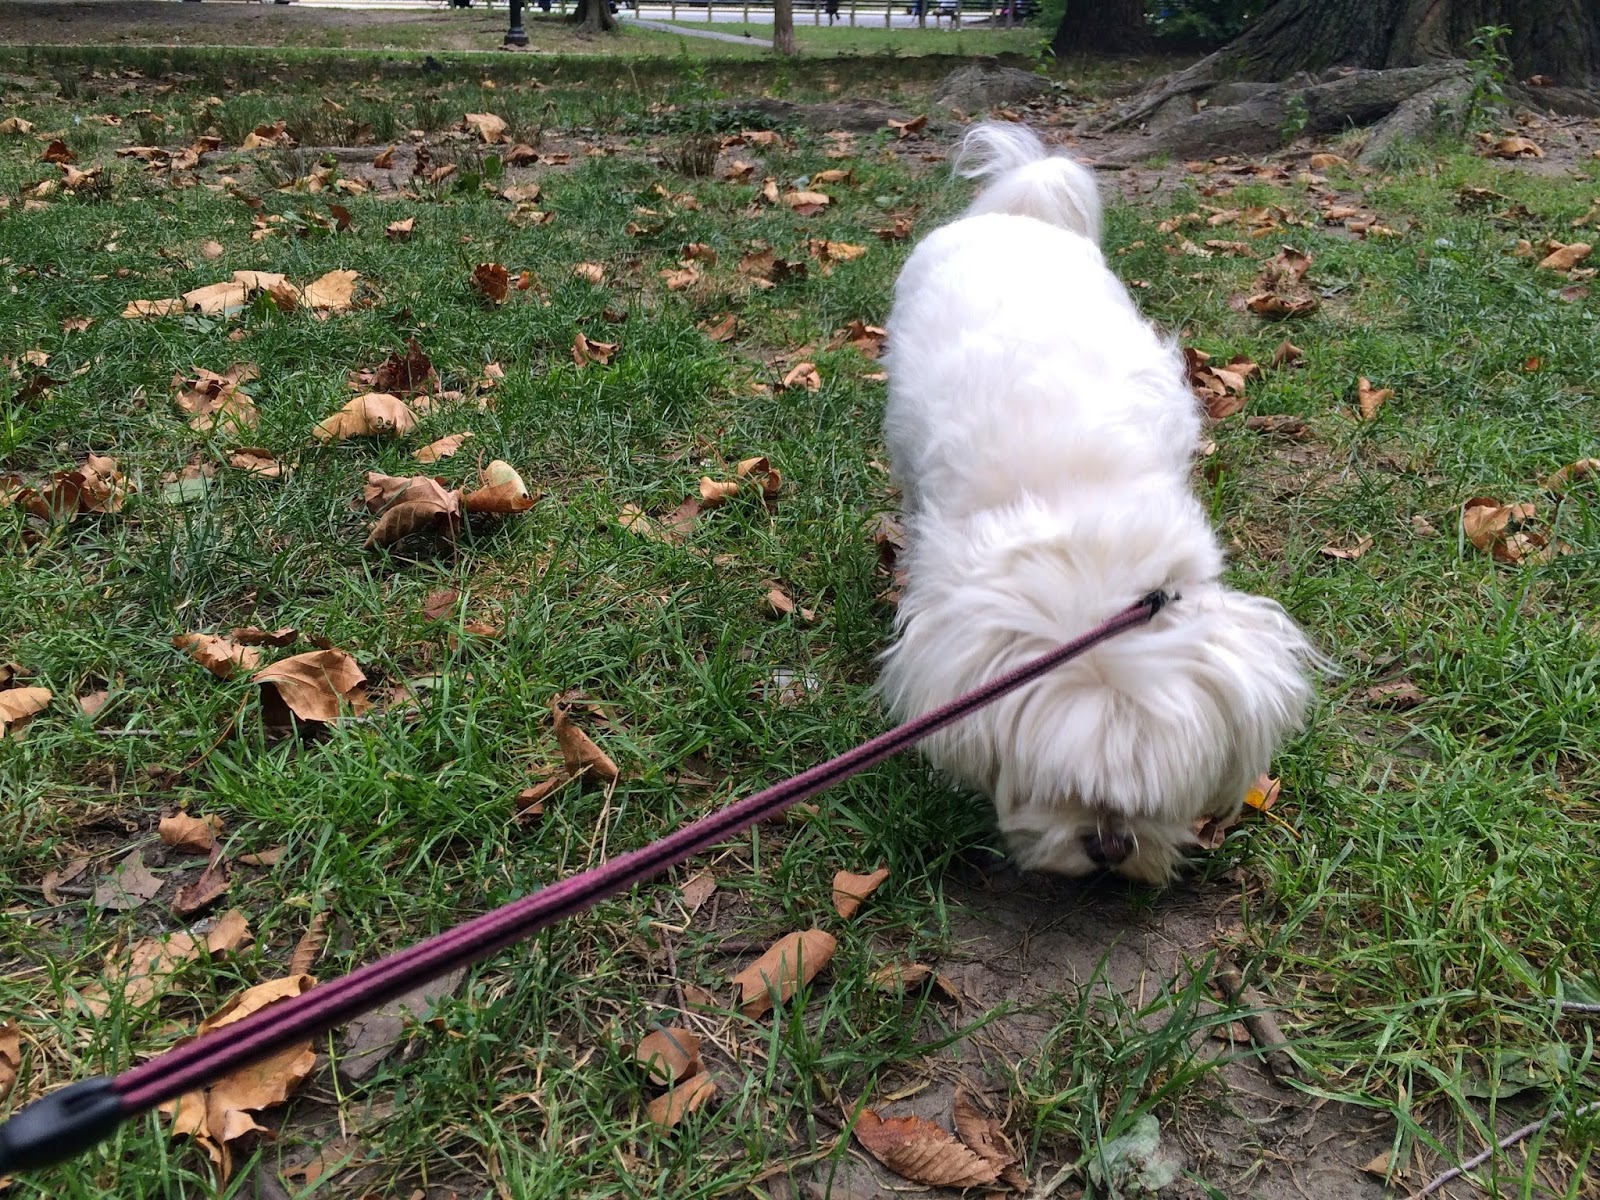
1042 436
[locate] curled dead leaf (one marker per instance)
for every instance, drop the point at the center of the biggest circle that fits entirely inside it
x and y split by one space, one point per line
191 834
1501 530
200 895
792 961
669 1055
229 934
413 504
1516 147
490 128
683 1099
492 281
1564 257
713 492
502 491
217 654
585 351
333 292
1584 468
591 272
400 231
376 414
579 753
803 375
850 890
1371 399
1347 553
1399 695
442 448
317 686
255 461
916 1149
19 705
310 944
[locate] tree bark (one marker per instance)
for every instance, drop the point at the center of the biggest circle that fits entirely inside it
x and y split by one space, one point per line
1558 39
1101 27
783 28
594 16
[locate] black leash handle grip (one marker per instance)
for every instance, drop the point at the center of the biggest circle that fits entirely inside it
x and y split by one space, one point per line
60 1125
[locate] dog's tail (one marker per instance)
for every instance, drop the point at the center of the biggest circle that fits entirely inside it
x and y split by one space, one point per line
1026 179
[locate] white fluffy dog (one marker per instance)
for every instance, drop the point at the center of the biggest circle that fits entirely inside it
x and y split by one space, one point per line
1042 435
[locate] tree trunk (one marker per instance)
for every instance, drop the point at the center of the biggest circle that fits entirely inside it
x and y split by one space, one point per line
1101 27
594 16
783 28
1558 39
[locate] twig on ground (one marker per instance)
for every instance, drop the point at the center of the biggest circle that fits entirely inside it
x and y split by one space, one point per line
1261 1023
1576 1006
1505 1143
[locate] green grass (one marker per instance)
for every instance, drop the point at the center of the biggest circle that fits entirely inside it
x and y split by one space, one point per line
1438 887
870 37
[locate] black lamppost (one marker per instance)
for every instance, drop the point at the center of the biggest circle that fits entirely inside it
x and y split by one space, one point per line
516 36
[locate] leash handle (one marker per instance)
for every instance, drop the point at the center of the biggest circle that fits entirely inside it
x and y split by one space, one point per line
67 1122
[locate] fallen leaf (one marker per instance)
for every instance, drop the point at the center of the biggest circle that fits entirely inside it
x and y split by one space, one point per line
442 448
191 834
904 129
679 279
850 890
255 461
1584 468
1263 794
217 654
54 879
1516 147
502 491
917 1149
1220 388
98 486
1348 553
253 635
984 1135
384 160
216 299
579 753
696 890
204 892
1564 258
142 974
333 292
868 339
211 250
1378 1167
492 281
216 401
803 375
413 504
310 944
490 128
1321 162
669 1055
230 934
792 961
400 231
316 686
10 1043
129 885
376 414
1495 528
1400 695
685 1098
585 352
1287 354
593 272
153 308
92 702
1371 399
782 604
57 152
721 329
12 126
19 705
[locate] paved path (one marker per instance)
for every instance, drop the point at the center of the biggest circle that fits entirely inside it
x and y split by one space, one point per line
664 27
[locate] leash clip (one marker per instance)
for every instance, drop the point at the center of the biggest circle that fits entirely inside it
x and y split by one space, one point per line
60 1125
1159 599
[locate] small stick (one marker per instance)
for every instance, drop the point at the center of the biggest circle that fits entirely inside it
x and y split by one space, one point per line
1575 1006
1261 1023
1505 1143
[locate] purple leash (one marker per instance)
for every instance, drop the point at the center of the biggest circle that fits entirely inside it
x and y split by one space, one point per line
69 1121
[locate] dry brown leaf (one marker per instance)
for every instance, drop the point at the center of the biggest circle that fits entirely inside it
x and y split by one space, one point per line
310 944
12 126
316 686
490 128
904 129
1321 162
697 889
669 1055
766 268
216 298
413 504
678 279
255 461
1220 388
230 934
868 339
333 292
211 250
19 705
683 1099
376 414
190 834
593 272
1371 399
1263 794
850 890
1287 354
585 352
803 375
216 401
579 753
270 857
782 604
129 885
1564 258
92 702
153 308
1516 147
385 159
10 1047
1348 553
1400 695
492 281
1496 528
57 152
400 231
917 1149
502 491
142 974
713 492
1584 468
217 654
720 329
442 448
791 961
204 892
254 635
984 1135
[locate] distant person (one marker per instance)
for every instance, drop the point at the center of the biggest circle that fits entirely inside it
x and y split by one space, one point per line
832 9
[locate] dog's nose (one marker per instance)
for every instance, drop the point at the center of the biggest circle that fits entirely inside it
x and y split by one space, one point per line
1108 848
